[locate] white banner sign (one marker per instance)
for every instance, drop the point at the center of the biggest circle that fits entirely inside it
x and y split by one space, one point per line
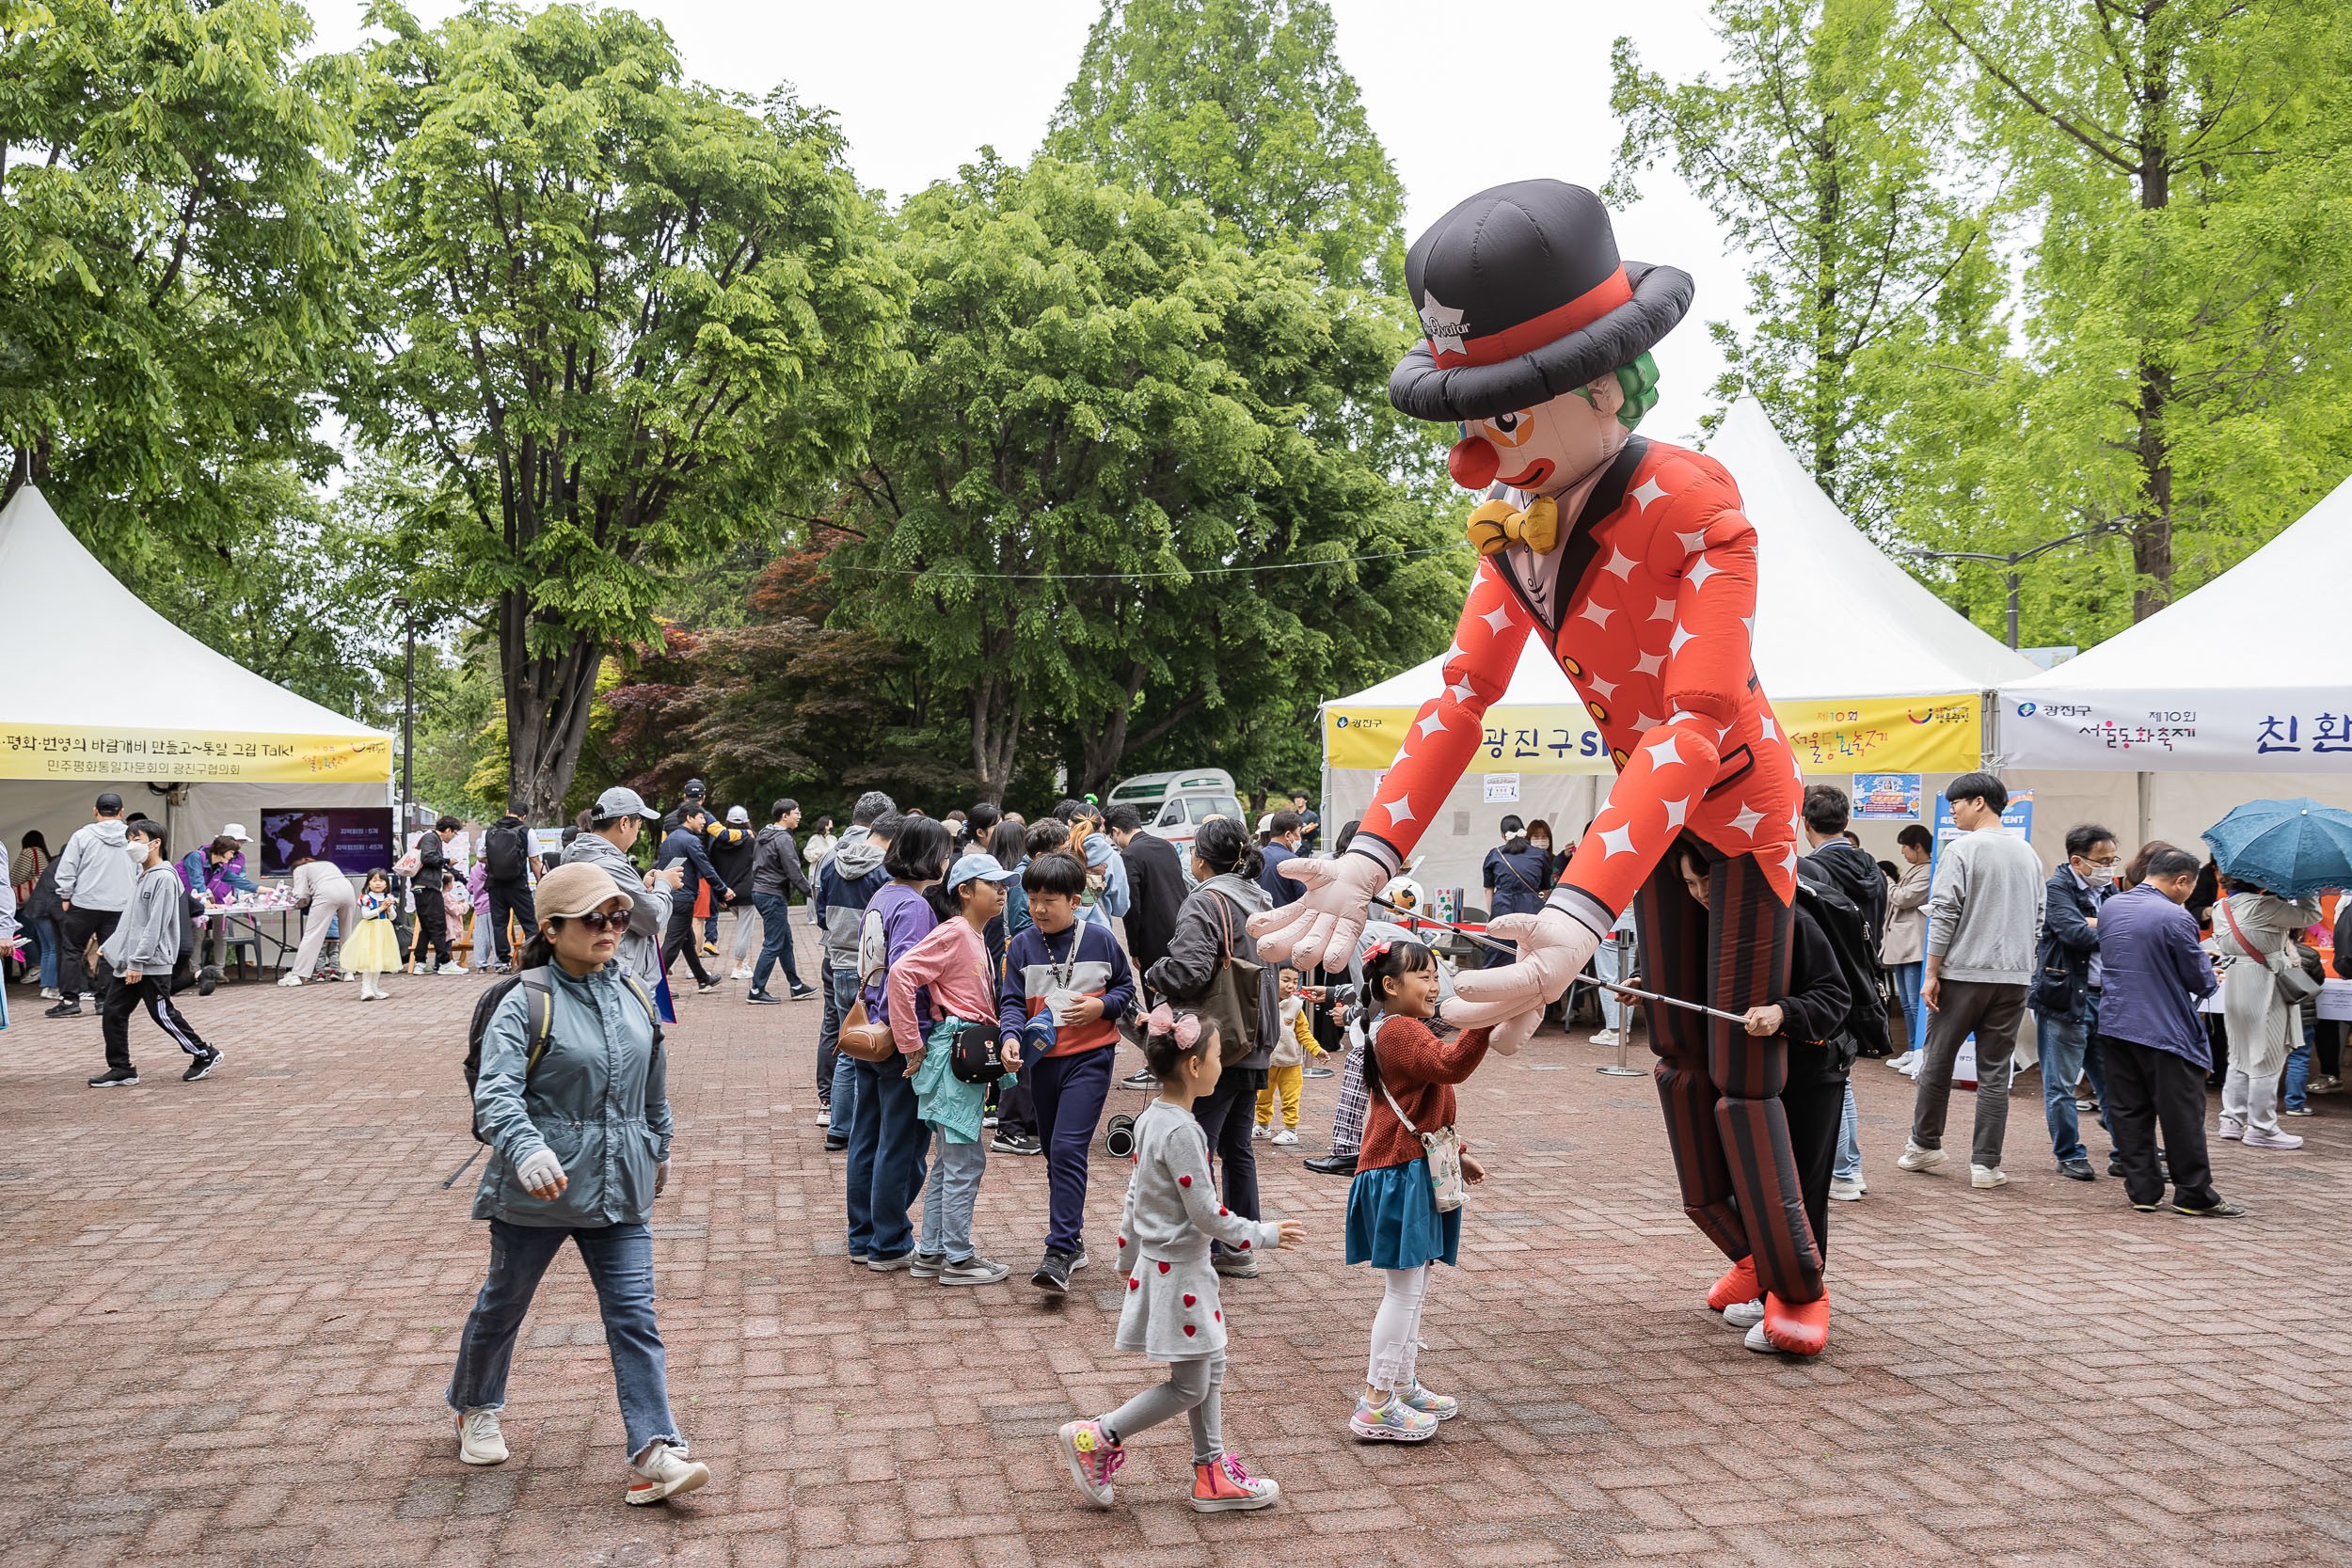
1502 788
2282 731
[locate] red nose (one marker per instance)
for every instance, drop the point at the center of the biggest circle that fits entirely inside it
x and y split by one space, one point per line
1473 462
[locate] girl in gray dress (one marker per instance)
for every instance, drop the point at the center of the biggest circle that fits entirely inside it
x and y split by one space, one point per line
1172 1312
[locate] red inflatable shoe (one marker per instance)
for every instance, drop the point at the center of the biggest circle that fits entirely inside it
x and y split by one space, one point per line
1736 1286
1800 1328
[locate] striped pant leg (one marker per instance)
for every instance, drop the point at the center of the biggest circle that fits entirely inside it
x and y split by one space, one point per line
1672 928
168 1018
1348 1116
1749 933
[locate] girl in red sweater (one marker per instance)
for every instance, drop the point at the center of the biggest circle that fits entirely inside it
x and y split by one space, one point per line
1393 1222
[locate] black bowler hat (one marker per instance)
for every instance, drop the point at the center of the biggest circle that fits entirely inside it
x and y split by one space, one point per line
1524 299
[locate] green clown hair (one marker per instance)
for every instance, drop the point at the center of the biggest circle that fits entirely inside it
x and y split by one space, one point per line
1638 382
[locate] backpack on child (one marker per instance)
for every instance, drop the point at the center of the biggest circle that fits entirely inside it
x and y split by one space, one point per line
538 1023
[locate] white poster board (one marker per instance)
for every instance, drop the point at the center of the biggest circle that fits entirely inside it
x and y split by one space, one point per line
1502 789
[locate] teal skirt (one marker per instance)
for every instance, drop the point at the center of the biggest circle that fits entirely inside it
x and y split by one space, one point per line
1392 1219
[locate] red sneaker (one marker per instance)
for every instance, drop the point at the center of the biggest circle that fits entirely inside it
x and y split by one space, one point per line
1799 1328
1737 1285
1224 1484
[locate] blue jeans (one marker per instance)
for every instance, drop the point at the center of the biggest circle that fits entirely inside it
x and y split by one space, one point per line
949 1196
837 1083
45 933
620 1262
775 942
887 1143
1849 1167
2062 1043
1908 979
1609 963
1068 1092
2299 1066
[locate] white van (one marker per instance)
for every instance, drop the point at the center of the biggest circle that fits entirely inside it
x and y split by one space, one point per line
1173 805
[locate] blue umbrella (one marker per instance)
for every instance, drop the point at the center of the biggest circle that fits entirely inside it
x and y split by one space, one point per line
2291 847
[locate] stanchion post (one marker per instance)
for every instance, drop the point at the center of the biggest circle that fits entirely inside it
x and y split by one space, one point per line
1625 1028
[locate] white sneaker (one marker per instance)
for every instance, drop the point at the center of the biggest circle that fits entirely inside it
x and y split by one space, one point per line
289 980
1847 1192
451 969
1915 1158
479 1440
665 1473
1744 1314
49 993
2233 1128
742 972
1260 1131
1907 1062
1986 1175
1284 1137
1759 1341
1607 1037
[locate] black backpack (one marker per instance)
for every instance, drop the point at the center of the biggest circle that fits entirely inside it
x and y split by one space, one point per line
1849 932
506 852
539 1014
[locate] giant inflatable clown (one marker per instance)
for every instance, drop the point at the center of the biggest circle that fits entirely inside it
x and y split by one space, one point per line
1631 559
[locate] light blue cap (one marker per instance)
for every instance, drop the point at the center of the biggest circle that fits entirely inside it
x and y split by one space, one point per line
977 863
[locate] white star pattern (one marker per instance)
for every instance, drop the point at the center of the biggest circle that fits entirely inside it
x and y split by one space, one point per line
1461 689
1682 635
1675 811
1604 690
1790 852
1617 840
1620 563
1497 620
1749 622
1644 723
1701 571
1649 664
1693 543
1770 733
1648 491
1663 752
1662 610
1595 612
1679 715
1745 822
1434 724
1446 328
1400 810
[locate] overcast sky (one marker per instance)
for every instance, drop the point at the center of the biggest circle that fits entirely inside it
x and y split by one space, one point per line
920 85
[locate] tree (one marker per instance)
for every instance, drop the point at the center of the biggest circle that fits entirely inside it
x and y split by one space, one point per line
1820 156
2185 379
175 241
1124 473
1242 105
623 318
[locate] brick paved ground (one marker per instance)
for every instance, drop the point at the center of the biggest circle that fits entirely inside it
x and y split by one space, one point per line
229 1309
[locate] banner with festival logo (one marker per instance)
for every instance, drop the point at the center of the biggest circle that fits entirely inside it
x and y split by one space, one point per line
191 757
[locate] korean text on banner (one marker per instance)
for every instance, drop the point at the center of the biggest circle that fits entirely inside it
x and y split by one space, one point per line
71 751
1523 740
2280 731
1893 735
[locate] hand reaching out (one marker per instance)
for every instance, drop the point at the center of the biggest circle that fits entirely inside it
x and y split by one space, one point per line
1323 925
1511 1000
1292 1234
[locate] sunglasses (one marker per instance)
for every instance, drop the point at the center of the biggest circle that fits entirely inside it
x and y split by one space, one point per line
597 920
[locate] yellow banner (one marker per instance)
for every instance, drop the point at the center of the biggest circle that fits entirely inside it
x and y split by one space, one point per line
1518 739
1886 735
1894 735
191 757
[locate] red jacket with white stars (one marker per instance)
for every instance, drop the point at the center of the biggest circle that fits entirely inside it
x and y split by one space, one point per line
1649 601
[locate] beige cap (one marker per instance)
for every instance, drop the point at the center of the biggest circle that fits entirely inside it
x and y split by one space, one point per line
575 889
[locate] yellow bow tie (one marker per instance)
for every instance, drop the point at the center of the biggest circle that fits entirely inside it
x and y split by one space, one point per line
1497 524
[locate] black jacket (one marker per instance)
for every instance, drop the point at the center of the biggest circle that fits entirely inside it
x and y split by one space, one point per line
432 859
732 850
1156 893
685 844
1858 877
1820 1050
2062 971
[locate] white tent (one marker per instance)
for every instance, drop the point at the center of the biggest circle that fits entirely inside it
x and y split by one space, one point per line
2166 725
103 693
1869 673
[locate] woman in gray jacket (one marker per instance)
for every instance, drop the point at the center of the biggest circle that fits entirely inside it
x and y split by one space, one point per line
578 1118
1215 921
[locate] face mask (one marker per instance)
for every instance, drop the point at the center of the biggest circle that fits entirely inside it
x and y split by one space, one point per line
2099 875
136 850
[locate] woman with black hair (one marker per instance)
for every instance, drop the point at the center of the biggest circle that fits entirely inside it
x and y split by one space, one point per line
1213 930
887 1140
1517 875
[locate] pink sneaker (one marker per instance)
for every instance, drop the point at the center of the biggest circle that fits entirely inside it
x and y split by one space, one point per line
1092 1458
1225 1485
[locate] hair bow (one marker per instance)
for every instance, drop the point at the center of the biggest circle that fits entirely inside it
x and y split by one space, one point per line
1164 1019
1373 952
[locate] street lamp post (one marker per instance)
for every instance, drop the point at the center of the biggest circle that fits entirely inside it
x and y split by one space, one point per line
408 717
2013 560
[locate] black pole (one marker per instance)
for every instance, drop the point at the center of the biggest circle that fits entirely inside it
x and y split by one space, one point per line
408 727
2013 600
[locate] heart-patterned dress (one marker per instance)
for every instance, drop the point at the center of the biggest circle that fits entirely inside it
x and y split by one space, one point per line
1172 1312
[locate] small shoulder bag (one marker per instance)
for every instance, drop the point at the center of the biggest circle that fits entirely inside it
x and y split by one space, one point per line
1443 1147
2294 985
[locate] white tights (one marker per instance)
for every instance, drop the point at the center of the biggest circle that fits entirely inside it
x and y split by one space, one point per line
1396 1328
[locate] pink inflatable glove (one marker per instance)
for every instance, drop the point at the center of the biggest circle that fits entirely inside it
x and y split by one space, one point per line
1326 922
1553 948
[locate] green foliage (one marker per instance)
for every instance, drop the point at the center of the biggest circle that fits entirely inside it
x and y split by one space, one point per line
1110 422
1242 105
175 241
622 317
1821 154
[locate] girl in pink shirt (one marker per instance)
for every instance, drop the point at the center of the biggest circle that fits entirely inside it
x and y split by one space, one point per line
950 966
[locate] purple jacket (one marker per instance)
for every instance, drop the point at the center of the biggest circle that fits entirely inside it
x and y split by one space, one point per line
907 918
2154 973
